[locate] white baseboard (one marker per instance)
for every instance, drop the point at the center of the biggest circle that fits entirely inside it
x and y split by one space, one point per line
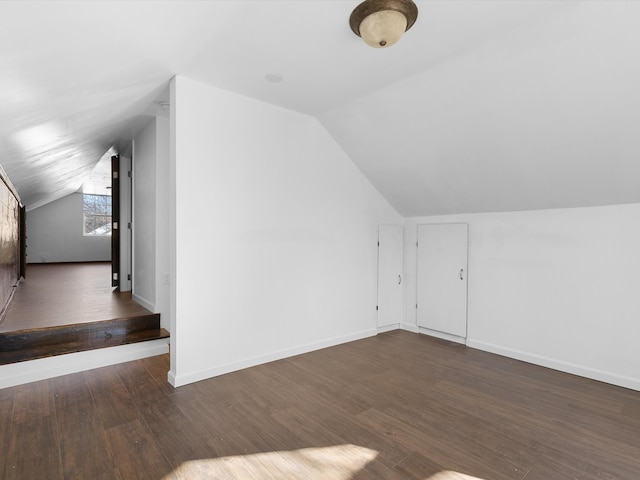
43 368
409 327
185 379
442 335
594 374
388 328
144 302
171 377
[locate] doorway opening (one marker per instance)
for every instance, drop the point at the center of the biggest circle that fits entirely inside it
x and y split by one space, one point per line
68 304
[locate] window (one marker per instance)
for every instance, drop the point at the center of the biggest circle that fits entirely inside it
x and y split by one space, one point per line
96 211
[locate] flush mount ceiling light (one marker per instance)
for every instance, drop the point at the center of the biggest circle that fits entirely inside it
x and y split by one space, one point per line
381 23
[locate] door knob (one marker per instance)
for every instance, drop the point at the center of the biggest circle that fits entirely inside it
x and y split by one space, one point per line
399 279
461 277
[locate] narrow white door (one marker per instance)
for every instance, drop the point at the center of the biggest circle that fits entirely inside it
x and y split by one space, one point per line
442 278
389 275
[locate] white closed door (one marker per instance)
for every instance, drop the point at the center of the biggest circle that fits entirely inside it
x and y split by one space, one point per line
389 275
442 278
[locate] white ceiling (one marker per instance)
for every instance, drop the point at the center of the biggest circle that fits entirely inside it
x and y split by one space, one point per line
483 106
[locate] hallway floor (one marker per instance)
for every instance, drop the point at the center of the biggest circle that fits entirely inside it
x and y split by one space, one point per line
55 294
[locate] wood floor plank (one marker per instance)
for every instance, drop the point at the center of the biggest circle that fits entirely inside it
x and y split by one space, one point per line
211 405
87 458
76 414
220 440
377 470
179 439
7 396
113 400
591 459
158 368
308 426
253 420
321 425
137 453
34 450
140 385
559 466
552 422
454 448
417 466
83 447
33 400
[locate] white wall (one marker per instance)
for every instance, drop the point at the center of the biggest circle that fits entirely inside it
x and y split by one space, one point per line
55 234
151 271
559 288
144 216
275 235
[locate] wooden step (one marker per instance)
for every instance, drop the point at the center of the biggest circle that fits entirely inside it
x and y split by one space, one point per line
18 346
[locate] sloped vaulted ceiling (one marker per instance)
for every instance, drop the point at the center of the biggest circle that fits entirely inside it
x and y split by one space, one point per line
483 106
538 113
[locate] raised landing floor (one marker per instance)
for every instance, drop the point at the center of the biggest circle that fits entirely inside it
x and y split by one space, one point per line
71 307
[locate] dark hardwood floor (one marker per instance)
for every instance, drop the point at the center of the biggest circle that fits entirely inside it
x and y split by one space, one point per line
395 406
56 294
71 307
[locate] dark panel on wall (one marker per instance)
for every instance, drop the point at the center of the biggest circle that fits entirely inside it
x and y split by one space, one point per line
22 272
9 240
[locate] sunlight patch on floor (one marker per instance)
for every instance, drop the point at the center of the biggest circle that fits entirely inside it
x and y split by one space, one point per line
340 462
450 475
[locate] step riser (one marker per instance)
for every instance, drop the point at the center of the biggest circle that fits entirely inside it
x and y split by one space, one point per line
87 332
48 342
